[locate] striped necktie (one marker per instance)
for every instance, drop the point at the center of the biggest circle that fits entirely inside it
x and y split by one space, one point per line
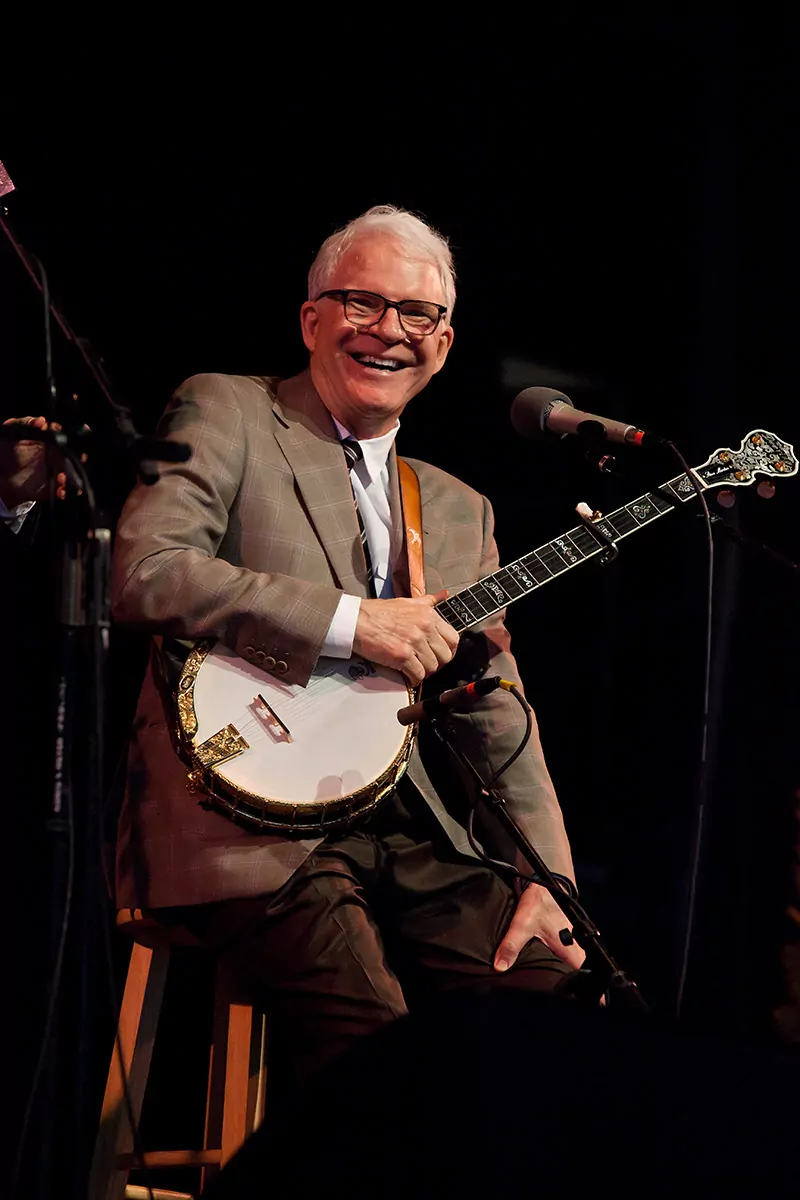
352 455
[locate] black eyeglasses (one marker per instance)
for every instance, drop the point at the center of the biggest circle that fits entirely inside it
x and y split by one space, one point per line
364 309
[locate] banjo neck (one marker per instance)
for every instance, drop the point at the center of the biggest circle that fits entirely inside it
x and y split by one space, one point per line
519 578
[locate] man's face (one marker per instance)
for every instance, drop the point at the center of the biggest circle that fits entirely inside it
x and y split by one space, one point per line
367 396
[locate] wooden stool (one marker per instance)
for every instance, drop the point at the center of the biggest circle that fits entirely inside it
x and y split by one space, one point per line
236 1076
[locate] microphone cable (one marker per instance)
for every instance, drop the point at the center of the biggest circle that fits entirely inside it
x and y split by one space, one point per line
477 849
703 774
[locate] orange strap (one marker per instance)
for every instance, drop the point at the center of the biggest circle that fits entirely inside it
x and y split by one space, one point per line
412 520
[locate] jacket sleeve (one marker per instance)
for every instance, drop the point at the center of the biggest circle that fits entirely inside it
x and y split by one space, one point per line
490 734
167 577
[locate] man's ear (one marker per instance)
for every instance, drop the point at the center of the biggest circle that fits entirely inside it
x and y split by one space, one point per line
309 324
443 346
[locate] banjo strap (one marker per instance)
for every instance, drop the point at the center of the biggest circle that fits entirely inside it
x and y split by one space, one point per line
412 520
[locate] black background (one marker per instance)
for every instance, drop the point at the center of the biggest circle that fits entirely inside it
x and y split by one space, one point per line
620 195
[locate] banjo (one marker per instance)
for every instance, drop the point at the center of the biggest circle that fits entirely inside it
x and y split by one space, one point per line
278 756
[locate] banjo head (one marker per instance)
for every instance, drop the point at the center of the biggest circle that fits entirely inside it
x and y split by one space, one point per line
279 756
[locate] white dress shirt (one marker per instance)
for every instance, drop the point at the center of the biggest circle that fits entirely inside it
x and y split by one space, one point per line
14 517
370 480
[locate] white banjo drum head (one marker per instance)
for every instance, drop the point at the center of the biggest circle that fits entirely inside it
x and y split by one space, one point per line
306 747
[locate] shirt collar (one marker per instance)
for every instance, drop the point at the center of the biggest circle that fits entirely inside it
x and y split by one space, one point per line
375 450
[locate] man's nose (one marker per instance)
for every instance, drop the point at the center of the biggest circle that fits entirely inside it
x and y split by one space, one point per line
389 329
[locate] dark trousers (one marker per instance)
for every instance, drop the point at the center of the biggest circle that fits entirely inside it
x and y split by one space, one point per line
377 918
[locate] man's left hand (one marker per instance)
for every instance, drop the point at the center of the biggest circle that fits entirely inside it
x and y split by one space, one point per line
537 915
23 467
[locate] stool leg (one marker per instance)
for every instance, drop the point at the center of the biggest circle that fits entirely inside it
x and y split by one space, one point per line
237 1079
138 1021
237 1071
258 1073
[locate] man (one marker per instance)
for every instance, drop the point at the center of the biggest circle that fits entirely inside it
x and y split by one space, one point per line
256 541
26 616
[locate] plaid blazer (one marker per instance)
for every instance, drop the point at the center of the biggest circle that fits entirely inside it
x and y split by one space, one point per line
252 541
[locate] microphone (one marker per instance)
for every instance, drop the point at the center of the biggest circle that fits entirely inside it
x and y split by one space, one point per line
459 699
6 185
540 410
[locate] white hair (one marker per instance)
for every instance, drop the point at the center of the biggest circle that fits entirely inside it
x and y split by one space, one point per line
421 239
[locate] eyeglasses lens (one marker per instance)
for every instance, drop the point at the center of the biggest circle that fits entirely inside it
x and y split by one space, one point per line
367 308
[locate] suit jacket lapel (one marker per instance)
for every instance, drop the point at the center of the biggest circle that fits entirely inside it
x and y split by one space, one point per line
308 440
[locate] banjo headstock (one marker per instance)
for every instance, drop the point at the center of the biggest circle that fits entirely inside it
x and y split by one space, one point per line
761 453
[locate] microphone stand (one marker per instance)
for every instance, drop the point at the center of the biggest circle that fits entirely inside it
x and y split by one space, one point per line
143 452
73 833
600 975
75 838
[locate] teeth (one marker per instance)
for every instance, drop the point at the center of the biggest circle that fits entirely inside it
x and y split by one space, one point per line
370 360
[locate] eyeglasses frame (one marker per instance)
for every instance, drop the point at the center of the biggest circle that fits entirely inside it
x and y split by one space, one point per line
343 293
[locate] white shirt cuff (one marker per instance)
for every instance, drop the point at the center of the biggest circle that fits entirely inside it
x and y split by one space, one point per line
342 629
14 517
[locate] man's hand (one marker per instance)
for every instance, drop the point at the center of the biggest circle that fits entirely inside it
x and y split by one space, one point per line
408 635
23 467
537 915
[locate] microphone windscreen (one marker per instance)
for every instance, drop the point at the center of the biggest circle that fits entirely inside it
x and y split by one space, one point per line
530 410
6 185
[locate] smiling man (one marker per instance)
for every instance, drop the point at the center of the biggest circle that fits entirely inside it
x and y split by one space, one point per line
370 355
284 538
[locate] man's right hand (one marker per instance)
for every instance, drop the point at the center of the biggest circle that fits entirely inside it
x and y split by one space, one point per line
408 635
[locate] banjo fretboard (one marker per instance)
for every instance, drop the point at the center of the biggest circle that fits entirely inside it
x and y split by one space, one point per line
494 593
